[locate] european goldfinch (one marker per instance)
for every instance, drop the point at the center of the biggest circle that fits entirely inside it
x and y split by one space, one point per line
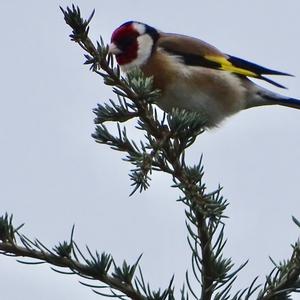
192 74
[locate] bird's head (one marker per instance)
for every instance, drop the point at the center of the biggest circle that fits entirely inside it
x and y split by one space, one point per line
132 43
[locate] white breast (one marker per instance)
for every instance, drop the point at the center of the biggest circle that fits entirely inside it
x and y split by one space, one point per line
214 94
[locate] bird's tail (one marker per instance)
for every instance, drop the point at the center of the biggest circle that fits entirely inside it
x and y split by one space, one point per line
282 100
266 97
290 102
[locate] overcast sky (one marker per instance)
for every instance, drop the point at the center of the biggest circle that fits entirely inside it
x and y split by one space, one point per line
53 174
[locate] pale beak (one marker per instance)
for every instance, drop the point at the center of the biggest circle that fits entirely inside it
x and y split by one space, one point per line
113 49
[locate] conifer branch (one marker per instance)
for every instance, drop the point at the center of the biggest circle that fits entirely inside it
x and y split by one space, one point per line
284 279
68 255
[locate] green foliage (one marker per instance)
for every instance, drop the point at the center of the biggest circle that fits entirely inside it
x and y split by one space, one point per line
74 20
63 249
115 112
284 279
126 272
7 231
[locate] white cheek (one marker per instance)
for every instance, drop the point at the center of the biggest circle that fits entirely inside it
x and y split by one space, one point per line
145 44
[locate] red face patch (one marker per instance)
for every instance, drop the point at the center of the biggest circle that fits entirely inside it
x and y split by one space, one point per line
125 38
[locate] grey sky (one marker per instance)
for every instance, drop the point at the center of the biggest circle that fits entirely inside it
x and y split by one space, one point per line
54 175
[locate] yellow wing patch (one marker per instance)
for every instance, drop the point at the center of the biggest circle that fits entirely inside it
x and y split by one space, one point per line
228 66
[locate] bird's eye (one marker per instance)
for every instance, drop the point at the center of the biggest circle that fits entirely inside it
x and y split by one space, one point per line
126 42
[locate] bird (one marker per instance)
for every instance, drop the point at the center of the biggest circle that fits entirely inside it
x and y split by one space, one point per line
193 75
